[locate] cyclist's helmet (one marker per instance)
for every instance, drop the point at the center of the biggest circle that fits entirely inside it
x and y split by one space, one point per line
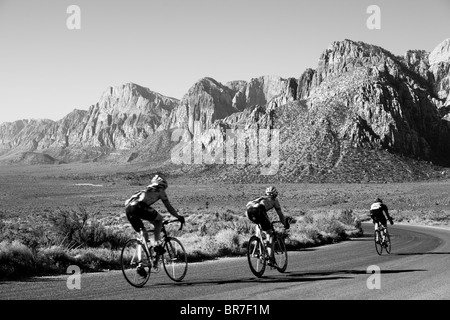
379 200
157 180
271 191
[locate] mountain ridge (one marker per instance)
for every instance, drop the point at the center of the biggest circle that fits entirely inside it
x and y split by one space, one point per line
360 97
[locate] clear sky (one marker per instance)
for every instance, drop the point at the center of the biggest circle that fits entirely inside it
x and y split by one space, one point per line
47 70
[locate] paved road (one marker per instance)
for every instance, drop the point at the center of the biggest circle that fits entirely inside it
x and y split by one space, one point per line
417 268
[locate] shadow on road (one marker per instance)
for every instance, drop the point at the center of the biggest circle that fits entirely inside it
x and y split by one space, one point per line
43 279
264 279
418 253
336 272
288 277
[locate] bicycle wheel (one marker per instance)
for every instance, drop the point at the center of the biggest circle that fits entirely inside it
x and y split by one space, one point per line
174 259
387 242
133 256
280 254
256 256
378 244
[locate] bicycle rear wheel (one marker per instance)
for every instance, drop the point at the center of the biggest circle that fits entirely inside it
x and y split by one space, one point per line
135 262
174 259
388 242
378 243
256 256
280 254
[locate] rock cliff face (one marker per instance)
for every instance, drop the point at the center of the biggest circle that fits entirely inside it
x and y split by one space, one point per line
123 118
208 100
366 115
362 111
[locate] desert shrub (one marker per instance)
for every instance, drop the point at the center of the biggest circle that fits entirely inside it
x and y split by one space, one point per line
38 236
439 215
228 242
16 259
53 260
204 223
321 227
76 228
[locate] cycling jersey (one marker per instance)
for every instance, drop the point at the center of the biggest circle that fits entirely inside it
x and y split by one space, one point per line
376 212
267 202
149 197
378 208
257 211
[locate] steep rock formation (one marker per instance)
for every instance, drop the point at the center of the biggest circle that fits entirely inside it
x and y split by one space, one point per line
367 115
123 118
208 100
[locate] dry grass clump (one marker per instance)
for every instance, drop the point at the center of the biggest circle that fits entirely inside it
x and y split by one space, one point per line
323 227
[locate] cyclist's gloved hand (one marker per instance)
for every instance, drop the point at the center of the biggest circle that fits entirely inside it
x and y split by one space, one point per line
390 220
181 219
288 222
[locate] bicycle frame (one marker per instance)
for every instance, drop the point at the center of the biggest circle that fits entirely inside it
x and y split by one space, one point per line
163 240
173 257
382 239
258 255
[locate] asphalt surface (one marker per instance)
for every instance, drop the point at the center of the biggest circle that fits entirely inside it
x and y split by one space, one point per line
417 268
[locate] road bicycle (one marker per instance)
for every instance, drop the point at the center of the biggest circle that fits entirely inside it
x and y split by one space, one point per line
382 239
257 253
139 259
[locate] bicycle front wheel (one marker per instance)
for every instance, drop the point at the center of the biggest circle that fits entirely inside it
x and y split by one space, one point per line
280 254
135 262
256 256
175 259
378 242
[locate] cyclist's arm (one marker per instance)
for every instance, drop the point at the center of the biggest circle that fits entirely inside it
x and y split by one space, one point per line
385 208
169 208
279 212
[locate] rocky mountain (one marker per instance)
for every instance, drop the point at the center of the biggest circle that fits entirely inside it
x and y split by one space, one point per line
364 114
124 117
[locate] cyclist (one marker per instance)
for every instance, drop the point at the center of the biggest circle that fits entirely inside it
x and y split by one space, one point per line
377 211
138 208
257 213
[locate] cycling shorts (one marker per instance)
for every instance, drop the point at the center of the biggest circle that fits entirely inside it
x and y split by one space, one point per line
258 215
378 216
137 212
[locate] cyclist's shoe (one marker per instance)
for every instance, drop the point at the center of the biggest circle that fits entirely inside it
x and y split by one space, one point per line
159 250
155 264
155 267
141 271
272 263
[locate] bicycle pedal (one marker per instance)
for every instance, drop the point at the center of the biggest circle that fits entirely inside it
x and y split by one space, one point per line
156 269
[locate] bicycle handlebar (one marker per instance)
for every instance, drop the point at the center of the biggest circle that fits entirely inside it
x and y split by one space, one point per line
172 221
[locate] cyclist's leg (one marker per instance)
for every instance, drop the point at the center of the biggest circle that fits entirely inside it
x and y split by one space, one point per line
383 223
270 249
157 223
132 213
267 228
146 213
375 225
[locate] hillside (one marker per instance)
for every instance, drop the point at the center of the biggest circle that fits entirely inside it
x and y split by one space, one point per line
363 115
